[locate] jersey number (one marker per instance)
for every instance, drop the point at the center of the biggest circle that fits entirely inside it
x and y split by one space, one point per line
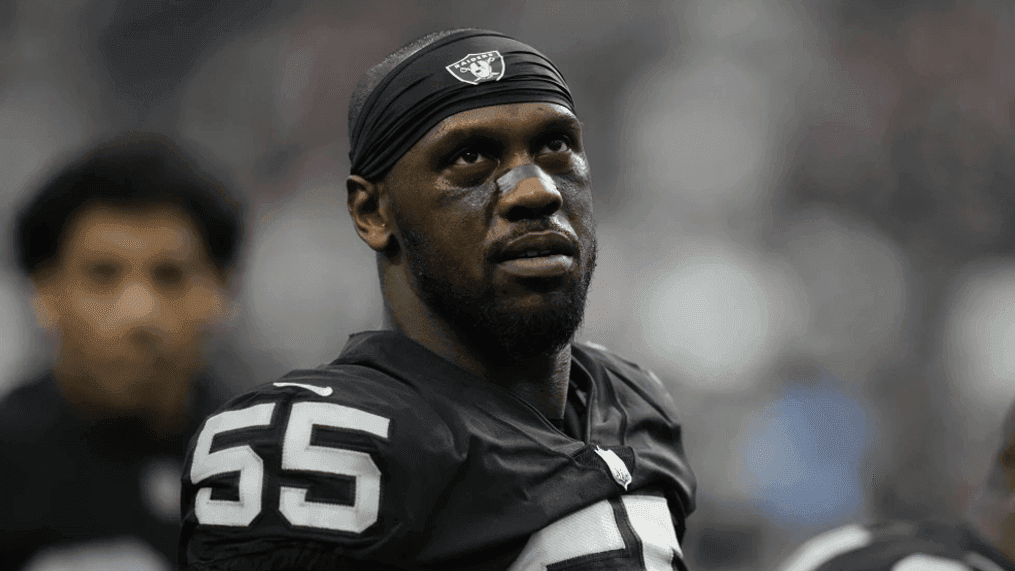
297 454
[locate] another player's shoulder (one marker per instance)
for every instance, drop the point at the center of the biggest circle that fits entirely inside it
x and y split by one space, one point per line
897 546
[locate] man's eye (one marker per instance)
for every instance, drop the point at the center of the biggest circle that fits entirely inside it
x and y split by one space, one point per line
102 273
168 275
557 145
469 157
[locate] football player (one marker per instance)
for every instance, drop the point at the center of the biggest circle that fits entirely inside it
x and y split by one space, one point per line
128 251
984 542
470 432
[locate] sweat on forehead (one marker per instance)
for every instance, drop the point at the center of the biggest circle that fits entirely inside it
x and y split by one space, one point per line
458 72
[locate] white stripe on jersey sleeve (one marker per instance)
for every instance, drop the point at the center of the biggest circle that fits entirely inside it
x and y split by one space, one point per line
924 562
981 563
824 547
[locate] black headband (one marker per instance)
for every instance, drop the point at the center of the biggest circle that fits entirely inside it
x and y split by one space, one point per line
465 70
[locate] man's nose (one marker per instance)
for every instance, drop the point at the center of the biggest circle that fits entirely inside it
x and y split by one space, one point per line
528 192
136 307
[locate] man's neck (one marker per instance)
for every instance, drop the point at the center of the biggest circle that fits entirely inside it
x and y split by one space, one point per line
166 414
541 381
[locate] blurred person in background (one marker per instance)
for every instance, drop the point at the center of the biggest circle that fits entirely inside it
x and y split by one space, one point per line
129 251
984 541
471 431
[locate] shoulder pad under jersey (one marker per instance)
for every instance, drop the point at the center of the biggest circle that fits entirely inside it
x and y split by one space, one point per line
343 456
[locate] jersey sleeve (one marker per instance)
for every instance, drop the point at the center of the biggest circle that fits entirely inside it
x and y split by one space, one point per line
321 470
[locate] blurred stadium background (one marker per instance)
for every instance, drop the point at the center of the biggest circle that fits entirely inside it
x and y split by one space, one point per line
805 214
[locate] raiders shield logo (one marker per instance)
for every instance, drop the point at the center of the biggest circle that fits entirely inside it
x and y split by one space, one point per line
477 68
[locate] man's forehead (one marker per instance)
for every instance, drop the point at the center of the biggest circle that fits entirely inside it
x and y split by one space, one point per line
504 117
162 229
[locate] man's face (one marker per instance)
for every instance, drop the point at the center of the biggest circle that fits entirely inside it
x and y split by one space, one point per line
509 266
130 295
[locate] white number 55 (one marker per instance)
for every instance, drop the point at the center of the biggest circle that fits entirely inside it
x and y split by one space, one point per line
297 454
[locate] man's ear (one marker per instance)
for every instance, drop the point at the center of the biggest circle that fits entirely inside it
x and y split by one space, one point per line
370 208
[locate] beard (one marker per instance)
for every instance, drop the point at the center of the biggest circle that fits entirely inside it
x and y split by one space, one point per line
497 327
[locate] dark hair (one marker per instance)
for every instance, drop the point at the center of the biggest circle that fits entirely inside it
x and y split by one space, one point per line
133 171
375 75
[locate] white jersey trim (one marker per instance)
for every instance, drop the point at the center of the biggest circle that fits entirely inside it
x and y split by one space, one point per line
827 546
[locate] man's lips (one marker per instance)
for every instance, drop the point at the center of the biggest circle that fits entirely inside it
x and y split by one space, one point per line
538 255
538 267
537 245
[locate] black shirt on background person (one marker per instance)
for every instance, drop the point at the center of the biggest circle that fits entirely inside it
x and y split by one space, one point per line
983 541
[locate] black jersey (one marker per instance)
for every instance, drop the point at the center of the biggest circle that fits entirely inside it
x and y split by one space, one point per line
898 546
396 457
89 494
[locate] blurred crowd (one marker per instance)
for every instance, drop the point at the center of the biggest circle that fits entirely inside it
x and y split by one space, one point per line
805 215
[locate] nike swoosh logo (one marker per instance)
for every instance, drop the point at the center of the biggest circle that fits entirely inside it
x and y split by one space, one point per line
323 391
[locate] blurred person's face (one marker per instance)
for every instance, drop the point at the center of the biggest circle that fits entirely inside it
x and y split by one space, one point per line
512 263
131 296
